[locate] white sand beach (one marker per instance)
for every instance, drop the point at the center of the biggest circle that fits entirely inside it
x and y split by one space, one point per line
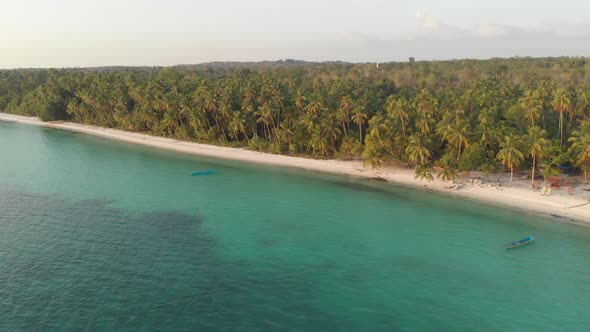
492 189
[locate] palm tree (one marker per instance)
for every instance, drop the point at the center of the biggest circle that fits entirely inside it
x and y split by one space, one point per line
330 130
468 99
417 150
583 104
169 122
317 85
447 173
278 105
397 110
444 126
549 171
424 172
359 118
184 113
343 113
197 123
581 147
530 104
424 123
377 125
425 104
319 142
374 151
284 133
265 116
308 120
510 155
561 103
314 107
536 142
459 136
237 125
485 120
299 100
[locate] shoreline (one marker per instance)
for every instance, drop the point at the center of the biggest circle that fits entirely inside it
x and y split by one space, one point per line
519 196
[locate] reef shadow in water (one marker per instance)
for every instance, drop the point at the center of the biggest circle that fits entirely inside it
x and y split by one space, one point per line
87 265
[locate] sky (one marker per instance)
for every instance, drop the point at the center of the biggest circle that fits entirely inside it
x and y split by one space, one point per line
80 33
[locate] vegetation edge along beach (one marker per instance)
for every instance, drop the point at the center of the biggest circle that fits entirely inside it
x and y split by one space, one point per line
513 129
515 197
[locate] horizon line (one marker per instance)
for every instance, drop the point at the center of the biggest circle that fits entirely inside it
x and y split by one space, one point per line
297 60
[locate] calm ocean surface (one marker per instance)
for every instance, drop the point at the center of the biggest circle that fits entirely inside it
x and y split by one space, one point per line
103 235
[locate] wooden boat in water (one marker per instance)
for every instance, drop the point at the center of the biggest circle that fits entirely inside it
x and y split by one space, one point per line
520 243
199 173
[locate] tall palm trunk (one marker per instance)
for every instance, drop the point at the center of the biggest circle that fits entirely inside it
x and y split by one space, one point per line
269 133
361 133
220 127
533 174
247 138
235 134
561 126
403 128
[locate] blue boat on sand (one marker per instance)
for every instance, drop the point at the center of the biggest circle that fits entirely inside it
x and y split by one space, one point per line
520 243
199 173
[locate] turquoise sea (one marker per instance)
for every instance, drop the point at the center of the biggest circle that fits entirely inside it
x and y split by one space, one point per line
103 235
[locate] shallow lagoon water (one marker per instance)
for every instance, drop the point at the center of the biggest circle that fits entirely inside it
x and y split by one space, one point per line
98 234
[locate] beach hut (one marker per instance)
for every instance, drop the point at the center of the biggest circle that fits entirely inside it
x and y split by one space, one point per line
555 181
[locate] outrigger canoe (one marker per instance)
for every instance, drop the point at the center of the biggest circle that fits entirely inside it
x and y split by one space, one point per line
520 243
199 173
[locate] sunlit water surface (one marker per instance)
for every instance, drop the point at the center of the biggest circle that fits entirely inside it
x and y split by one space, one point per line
103 235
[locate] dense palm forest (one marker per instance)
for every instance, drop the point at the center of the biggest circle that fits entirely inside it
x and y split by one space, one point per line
488 115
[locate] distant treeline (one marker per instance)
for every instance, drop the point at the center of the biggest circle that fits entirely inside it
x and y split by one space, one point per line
457 115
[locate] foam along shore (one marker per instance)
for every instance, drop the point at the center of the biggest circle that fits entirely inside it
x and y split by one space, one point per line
560 203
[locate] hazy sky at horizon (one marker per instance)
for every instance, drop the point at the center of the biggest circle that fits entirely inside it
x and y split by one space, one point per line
70 33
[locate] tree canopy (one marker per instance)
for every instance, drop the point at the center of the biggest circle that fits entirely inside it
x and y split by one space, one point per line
463 114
